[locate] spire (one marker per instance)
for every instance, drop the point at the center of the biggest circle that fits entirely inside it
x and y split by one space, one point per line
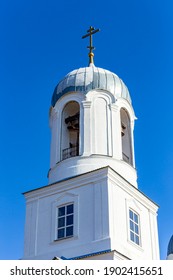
90 32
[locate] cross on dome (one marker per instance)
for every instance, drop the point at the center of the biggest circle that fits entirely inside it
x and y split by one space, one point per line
90 32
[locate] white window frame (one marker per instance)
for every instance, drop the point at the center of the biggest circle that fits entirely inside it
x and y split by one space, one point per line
65 199
134 222
62 221
135 206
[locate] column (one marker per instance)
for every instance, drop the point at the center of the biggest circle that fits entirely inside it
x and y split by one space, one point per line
86 129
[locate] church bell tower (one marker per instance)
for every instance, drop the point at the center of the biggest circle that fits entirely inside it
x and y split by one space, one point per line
92 207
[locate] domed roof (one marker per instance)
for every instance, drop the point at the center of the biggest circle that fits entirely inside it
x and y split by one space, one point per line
170 246
89 78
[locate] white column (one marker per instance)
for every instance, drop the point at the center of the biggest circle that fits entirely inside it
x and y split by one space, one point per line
132 142
101 210
55 138
86 130
116 132
154 235
31 224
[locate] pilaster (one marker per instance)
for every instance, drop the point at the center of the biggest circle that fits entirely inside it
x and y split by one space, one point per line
116 132
86 148
55 139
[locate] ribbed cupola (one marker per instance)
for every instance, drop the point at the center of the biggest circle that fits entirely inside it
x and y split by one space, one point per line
92 121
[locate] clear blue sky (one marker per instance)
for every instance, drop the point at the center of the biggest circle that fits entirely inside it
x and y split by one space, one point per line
40 43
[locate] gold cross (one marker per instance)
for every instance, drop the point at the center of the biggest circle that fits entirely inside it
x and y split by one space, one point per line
91 31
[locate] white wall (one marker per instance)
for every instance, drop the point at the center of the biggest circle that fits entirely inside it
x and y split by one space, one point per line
101 199
122 196
91 227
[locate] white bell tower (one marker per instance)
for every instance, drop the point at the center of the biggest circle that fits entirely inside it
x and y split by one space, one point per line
85 122
92 207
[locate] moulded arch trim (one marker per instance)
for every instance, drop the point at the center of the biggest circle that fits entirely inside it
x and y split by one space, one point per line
128 114
123 104
70 101
60 104
107 95
69 97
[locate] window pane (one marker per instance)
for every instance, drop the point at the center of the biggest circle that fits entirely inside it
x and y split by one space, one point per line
69 220
131 214
132 237
61 222
137 239
65 221
69 231
70 209
61 233
131 225
61 211
135 218
136 229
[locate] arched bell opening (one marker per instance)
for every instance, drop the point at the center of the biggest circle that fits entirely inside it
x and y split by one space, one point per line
126 137
70 130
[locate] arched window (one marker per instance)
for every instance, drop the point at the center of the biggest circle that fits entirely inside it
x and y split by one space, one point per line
126 137
70 130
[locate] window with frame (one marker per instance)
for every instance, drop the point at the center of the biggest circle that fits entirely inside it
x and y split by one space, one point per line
65 223
134 227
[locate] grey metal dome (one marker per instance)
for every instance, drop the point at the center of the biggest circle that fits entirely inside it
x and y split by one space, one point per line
170 246
89 78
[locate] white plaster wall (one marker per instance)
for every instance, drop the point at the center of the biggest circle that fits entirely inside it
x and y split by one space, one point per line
82 164
100 133
122 196
91 219
102 199
31 227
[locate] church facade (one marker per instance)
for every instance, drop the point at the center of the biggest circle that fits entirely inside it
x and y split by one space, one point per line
92 207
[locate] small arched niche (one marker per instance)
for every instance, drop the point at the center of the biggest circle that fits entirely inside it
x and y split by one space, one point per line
126 137
70 130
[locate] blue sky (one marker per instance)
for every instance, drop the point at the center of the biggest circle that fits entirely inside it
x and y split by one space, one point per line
40 43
